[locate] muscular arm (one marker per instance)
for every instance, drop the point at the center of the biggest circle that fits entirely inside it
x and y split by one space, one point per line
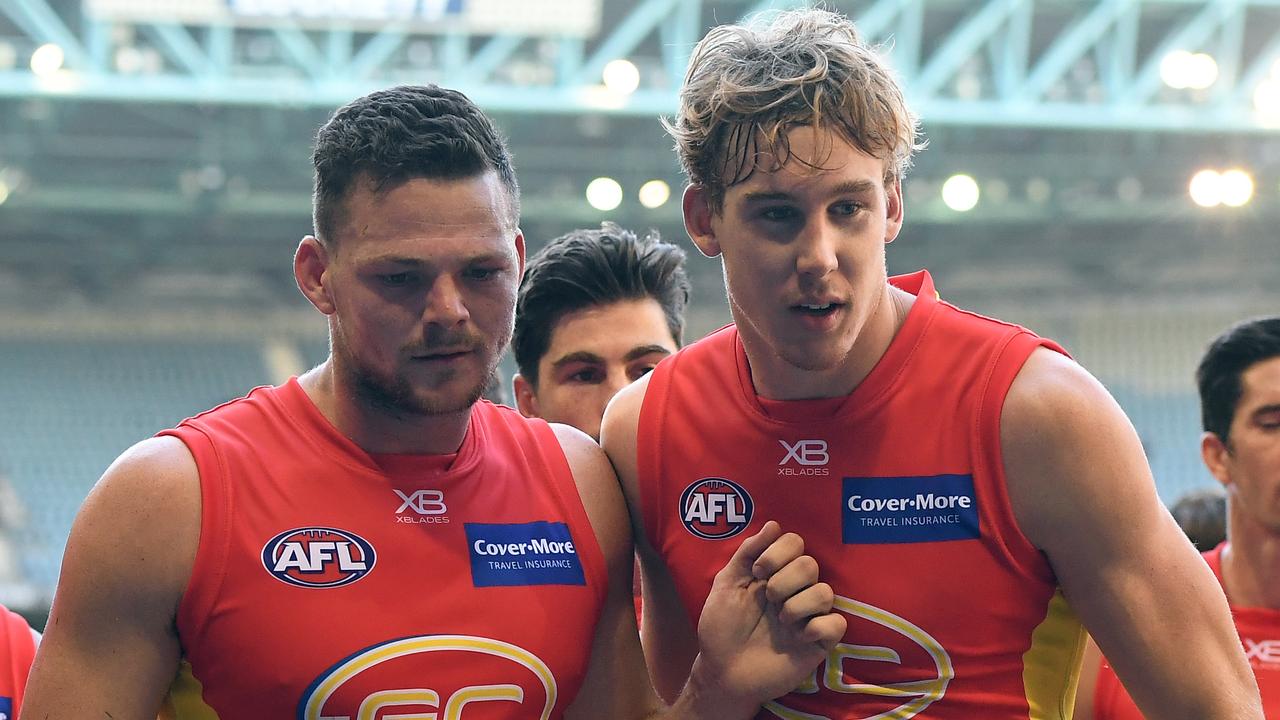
670 644
1082 493
110 648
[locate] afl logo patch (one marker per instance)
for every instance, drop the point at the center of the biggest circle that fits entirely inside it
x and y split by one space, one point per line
318 557
715 508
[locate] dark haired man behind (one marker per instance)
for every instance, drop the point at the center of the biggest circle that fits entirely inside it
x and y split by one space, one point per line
597 309
370 540
1239 383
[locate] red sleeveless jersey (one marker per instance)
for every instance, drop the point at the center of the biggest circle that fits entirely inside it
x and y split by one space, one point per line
17 650
1259 631
898 490
334 584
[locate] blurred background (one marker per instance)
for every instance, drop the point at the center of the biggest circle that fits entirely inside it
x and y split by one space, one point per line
1106 172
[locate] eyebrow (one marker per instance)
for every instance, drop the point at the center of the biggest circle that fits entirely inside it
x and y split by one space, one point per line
583 356
1266 410
849 187
415 262
641 350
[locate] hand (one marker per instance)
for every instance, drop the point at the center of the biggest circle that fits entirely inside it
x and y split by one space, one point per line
766 625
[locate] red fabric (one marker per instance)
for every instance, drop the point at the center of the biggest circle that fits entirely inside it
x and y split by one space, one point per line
17 650
1259 631
949 616
264 648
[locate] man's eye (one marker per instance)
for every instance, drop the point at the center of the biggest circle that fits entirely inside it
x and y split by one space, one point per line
585 376
482 273
778 214
639 372
846 208
394 279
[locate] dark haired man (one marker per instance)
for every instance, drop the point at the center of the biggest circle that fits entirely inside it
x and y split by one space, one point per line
1239 383
369 540
597 309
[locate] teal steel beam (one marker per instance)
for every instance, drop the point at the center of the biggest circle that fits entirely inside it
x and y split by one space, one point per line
961 45
376 51
299 48
1192 35
1070 46
1230 55
41 23
641 21
179 47
1013 51
489 57
1120 53
337 50
569 53
221 45
907 38
680 32
1255 73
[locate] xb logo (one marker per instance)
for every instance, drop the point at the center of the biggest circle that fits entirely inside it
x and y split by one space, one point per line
805 452
423 502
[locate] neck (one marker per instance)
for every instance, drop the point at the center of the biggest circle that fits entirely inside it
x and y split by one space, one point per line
1251 563
380 431
776 379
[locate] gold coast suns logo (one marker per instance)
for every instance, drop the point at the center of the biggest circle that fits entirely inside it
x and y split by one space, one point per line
910 696
431 677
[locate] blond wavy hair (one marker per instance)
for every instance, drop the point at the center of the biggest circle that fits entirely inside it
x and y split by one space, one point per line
748 85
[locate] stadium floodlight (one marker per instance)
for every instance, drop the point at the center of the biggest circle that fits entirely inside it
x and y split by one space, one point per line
1237 188
4 191
621 77
1184 70
960 193
1266 100
654 194
1206 188
604 193
47 60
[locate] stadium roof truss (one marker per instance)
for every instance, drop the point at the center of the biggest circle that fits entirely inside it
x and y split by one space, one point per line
1038 63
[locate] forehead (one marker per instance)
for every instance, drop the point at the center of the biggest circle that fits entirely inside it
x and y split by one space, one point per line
1260 384
610 330
419 211
809 157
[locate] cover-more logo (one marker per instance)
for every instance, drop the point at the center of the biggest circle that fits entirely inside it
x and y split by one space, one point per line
715 508
427 507
810 455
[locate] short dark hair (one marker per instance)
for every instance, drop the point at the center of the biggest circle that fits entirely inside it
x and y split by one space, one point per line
405 132
586 268
1229 355
1202 515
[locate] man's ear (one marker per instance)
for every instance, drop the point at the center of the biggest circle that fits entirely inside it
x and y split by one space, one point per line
697 220
520 252
311 272
526 400
893 210
1215 454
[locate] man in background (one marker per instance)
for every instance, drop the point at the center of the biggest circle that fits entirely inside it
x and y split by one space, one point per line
1239 383
597 310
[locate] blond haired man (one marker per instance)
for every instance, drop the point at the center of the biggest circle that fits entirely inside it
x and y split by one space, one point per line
958 479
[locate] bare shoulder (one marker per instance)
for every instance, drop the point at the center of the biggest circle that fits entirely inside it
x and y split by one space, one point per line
147 507
598 488
618 430
1069 450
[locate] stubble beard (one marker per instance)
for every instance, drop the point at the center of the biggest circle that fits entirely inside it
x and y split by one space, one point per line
393 393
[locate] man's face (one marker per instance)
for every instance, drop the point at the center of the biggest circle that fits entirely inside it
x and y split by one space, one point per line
1249 464
595 352
804 250
423 285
